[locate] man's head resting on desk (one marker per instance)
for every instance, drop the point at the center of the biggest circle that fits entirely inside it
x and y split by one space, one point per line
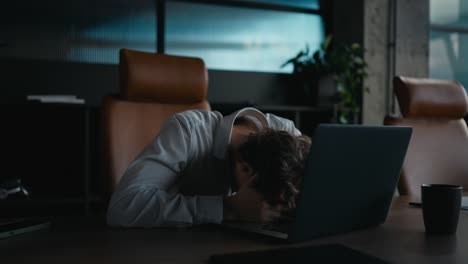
270 161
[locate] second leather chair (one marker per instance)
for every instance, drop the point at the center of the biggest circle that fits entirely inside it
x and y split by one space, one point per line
438 150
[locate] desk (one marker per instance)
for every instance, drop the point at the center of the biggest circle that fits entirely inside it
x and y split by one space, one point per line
400 240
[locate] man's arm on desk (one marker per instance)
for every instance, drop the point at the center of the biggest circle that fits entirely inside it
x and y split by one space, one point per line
142 198
247 205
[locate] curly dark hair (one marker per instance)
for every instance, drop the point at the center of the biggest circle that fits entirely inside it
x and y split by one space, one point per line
277 159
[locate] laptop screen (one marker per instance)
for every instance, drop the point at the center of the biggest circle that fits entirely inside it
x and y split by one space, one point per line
350 178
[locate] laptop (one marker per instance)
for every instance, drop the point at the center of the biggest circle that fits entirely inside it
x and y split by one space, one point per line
350 178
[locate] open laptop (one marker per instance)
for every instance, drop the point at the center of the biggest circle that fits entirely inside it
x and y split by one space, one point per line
350 179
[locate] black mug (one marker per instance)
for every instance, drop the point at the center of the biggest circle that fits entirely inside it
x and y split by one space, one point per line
441 207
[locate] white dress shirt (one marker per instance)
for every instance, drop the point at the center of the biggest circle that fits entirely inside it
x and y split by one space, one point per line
182 176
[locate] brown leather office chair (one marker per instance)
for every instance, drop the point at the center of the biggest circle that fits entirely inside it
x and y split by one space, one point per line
152 88
438 150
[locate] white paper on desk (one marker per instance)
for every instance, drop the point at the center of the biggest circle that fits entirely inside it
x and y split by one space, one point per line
56 98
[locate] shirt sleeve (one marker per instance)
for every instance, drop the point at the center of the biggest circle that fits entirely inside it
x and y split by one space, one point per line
143 197
281 123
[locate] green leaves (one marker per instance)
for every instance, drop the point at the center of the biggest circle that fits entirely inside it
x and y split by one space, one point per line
345 62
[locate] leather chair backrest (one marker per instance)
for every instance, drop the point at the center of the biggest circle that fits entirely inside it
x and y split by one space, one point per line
152 88
438 149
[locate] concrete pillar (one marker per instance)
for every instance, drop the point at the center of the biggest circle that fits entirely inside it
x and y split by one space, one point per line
396 37
376 42
412 38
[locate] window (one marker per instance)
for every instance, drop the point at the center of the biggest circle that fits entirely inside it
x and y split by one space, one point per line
76 31
239 38
313 4
448 47
241 35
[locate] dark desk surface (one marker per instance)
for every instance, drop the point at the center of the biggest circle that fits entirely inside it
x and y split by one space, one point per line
400 240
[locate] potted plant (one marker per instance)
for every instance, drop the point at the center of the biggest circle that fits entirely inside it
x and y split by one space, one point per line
342 63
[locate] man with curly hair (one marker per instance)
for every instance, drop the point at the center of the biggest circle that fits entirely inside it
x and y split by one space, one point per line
206 168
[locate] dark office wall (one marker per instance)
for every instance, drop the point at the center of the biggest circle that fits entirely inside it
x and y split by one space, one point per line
348 21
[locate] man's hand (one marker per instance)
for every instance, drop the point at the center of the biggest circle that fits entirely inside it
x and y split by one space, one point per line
250 206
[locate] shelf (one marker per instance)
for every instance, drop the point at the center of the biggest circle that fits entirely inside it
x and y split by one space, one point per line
305 118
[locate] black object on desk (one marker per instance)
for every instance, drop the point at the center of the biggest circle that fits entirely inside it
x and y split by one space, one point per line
47 147
441 207
15 227
331 253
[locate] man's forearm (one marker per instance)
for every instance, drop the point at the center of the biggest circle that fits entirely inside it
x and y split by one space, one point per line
151 207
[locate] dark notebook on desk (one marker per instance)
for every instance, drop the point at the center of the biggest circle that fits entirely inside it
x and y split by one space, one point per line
330 254
349 182
18 226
